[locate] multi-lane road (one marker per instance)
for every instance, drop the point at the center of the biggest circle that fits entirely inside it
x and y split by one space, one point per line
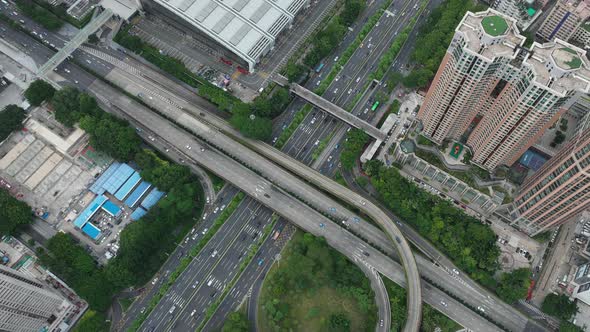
101 65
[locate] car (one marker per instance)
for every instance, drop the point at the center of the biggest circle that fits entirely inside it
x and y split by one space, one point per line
316 142
349 91
260 261
480 308
336 58
318 82
216 210
274 140
188 147
366 110
204 231
142 310
313 120
172 309
214 253
381 323
222 207
336 90
195 284
210 283
366 253
67 70
154 281
193 312
208 200
195 236
204 216
455 271
337 78
442 302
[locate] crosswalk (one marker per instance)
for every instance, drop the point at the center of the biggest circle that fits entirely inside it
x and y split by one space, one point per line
112 60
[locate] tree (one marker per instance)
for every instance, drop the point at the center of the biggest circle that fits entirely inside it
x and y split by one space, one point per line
236 322
92 321
356 140
66 106
13 213
559 138
294 71
339 322
38 92
514 285
569 327
11 119
559 306
256 127
352 9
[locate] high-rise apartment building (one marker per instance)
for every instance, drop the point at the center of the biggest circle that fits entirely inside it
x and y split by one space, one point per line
563 20
523 11
559 190
497 96
26 305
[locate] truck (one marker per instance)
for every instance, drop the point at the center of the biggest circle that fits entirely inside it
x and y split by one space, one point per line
276 235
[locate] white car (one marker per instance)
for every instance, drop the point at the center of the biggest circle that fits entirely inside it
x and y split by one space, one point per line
336 90
443 303
358 79
208 200
195 284
316 142
222 207
193 312
313 120
204 216
336 58
204 231
154 281
480 308
216 210
188 147
349 91
455 271
214 253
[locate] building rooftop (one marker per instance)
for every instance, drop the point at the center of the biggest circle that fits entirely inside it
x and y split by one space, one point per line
494 25
560 66
491 34
246 27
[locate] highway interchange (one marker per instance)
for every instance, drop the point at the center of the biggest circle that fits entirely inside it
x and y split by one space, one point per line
301 153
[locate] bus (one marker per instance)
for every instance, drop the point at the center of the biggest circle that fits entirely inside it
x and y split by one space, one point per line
375 105
319 67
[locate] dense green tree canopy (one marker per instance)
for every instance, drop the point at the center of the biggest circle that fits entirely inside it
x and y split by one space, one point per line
13 213
66 106
11 119
236 322
352 147
39 14
513 286
38 92
559 306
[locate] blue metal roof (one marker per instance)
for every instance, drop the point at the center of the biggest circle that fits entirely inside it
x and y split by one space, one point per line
97 186
138 213
118 178
111 208
91 230
137 193
125 189
89 211
152 198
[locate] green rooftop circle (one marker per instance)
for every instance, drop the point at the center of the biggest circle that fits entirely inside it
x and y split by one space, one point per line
494 25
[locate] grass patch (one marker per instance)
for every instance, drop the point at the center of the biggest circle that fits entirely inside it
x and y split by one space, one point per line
321 147
126 303
315 288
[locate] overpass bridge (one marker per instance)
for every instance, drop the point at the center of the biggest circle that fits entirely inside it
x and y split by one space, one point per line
75 42
338 112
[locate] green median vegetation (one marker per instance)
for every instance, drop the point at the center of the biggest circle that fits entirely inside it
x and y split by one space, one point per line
315 288
345 56
144 243
321 147
297 119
